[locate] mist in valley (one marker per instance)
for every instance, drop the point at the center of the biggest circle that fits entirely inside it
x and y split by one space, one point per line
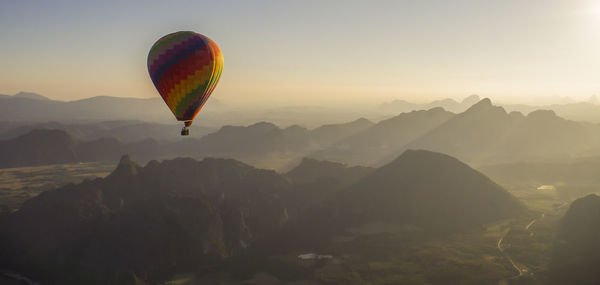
477 195
279 142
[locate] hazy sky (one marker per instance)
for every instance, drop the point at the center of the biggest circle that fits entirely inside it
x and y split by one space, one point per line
311 51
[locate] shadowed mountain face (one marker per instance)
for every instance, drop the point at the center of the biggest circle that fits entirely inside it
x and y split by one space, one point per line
577 250
311 170
430 189
181 215
148 219
317 182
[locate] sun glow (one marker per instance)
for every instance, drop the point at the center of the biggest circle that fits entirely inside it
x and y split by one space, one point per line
595 9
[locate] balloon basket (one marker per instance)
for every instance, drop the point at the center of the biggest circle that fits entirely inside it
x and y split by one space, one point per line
185 131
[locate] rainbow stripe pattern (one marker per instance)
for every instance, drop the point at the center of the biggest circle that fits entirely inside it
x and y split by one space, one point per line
185 68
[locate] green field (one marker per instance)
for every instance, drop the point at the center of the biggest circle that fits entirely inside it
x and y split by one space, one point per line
20 184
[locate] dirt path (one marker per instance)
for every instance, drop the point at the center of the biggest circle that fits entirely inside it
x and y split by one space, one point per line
522 269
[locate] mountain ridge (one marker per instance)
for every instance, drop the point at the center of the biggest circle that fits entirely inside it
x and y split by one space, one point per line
405 189
169 216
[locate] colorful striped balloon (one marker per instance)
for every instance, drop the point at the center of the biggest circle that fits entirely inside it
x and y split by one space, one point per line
185 68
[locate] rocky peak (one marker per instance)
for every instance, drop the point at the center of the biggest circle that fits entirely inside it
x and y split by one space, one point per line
485 106
126 167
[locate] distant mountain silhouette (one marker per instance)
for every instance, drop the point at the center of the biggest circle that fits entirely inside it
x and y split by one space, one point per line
125 131
578 111
484 134
431 190
467 134
96 141
384 138
265 139
328 134
248 141
33 108
542 134
577 251
29 108
30 95
402 106
487 134
41 147
37 148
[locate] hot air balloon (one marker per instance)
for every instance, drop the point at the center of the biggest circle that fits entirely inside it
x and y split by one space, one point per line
185 68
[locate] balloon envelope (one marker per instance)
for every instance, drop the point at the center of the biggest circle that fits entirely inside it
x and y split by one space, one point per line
185 68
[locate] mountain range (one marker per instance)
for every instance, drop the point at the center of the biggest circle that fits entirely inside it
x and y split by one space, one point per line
42 147
29 108
125 131
248 143
488 134
374 144
402 106
34 108
149 223
483 134
588 111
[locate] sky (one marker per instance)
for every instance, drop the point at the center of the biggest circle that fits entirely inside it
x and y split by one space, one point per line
312 51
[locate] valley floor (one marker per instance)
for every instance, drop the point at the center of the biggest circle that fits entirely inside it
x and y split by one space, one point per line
21 183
